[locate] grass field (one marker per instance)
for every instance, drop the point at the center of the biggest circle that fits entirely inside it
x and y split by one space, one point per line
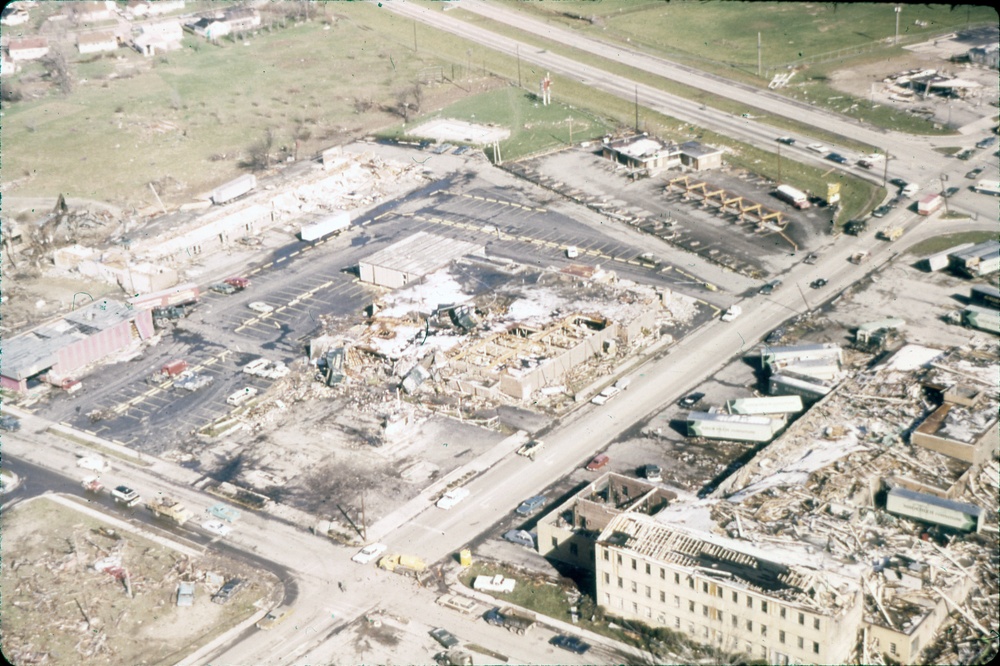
725 33
534 128
942 243
186 120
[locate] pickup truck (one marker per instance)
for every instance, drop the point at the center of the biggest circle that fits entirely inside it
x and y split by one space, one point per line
860 257
890 234
403 564
531 449
164 507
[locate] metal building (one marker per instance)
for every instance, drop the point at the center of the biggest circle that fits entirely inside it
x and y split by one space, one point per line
414 257
980 259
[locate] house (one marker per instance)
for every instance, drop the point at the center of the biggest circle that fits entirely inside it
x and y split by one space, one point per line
14 15
95 42
159 38
150 8
209 28
28 48
89 12
241 19
59 350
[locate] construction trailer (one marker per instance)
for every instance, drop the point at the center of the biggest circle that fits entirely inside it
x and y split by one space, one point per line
233 189
325 226
787 384
980 259
985 319
182 294
939 260
935 510
782 404
735 427
985 296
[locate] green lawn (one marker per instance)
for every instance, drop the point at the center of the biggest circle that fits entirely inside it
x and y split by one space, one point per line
533 127
941 243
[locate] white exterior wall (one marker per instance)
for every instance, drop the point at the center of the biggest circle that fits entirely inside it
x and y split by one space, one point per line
720 612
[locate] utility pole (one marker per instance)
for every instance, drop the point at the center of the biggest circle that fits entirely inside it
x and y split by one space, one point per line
898 9
779 162
637 109
885 169
944 179
414 36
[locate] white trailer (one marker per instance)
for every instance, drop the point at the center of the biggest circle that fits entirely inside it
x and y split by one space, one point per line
793 196
234 188
988 187
325 226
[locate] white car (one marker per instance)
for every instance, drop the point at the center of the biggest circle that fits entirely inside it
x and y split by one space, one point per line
818 148
255 366
452 497
910 190
605 395
217 527
95 463
241 396
260 306
370 553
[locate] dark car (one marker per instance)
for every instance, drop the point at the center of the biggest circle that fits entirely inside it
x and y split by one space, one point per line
520 537
818 284
571 643
775 336
811 258
769 288
950 192
837 157
691 400
444 637
974 173
9 423
227 591
858 227
787 140
898 182
895 201
987 142
651 472
882 210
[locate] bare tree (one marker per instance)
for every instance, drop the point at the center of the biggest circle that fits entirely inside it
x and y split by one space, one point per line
260 152
58 70
408 101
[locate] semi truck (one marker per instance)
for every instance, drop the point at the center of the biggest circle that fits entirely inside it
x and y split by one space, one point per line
325 226
985 319
234 188
182 294
510 619
169 509
793 196
930 204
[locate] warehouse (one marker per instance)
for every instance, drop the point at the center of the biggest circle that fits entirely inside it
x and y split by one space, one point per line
733 426
414 257
56 351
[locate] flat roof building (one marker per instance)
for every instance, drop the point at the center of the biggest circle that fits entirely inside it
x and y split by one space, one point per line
414 257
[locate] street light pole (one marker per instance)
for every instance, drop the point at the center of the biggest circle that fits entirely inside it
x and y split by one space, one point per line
898 9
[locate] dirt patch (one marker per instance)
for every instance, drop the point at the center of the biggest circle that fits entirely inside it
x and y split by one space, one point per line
59 609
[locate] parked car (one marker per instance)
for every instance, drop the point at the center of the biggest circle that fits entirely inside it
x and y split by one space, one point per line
274 618
882 210
769 288
239 283
837 157
452 497
125 495
444 637
811 258
192 382
966 154
605 395
691 400
987 142
227 591
571 643
223 288
911 190
241 396
520 537
260 306
950 192
531 505
370 553
217 527
775 336
818 284
898 182
598 462
974 173
787 140
817 147
651 472
9 423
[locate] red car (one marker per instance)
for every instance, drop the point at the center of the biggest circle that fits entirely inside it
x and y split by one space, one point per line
238 282
598 462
